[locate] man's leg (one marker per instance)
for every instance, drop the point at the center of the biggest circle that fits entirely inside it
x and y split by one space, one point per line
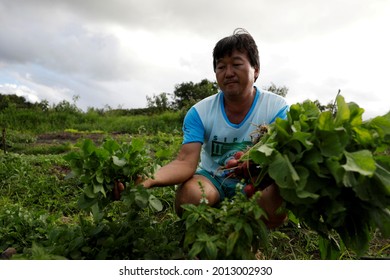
191 193
270 201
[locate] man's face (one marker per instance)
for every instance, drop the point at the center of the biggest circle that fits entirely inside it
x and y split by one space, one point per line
235 75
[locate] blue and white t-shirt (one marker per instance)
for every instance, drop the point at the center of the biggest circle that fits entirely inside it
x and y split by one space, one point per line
206 122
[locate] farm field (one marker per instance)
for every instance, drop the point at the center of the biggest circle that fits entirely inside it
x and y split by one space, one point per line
41 218
45 213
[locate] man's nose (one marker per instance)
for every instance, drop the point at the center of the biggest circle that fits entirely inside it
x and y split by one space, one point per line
229 70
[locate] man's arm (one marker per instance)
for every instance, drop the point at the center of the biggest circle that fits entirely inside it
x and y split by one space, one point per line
178 170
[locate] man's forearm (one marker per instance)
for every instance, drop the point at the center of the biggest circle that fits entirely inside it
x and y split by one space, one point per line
175 172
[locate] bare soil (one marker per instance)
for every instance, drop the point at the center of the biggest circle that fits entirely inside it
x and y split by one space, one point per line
64 137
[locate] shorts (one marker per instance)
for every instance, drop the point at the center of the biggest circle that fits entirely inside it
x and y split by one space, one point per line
225 186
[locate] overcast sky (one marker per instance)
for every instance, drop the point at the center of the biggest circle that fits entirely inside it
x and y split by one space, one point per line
118 52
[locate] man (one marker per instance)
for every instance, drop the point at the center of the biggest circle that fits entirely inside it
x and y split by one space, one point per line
220 125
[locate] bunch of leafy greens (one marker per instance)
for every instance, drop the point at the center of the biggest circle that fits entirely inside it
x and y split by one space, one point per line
332 168
99 166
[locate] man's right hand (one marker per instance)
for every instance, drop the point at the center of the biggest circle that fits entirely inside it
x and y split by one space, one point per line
118 188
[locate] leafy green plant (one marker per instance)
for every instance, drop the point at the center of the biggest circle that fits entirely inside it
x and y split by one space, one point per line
101 167
20 227
123 230
331 171
37 181
232 231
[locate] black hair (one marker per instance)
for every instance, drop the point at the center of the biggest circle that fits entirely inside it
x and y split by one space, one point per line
241 41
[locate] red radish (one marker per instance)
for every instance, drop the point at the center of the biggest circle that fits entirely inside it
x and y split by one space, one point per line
121 187
238 154
249 190
231 163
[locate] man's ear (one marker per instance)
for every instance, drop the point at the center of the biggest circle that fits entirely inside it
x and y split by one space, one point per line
257 73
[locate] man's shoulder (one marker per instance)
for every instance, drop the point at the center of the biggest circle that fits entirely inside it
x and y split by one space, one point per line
209 101
270 94
267 97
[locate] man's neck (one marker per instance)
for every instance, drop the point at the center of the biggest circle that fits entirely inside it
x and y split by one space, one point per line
236 108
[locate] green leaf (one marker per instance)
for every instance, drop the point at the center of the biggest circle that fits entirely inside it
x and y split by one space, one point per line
325 121
99 188
203 237
89 191
361 162
99 176
137 144
163 154
266 149
101 155
191 219
85 202
311 110
258 213
363 136
231 242
381 218
306 189
356 118
328 248
294 112
155 203
382 174
96 213
313 159
111 145
88 147
262 154
118 162
382 125
282 129
343 113
283 172
238 225
196 248
141 199
249 232
303 138
333 143
335 168
211 250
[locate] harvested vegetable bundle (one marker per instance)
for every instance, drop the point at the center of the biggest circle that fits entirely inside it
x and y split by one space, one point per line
331 168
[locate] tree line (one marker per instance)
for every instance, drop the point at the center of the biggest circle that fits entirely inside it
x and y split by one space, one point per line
182 98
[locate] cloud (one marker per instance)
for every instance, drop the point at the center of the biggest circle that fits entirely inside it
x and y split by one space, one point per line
29 94
118 52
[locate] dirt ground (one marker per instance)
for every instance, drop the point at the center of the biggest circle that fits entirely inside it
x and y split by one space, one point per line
63 137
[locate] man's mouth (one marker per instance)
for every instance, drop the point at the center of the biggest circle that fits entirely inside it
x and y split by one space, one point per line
230 82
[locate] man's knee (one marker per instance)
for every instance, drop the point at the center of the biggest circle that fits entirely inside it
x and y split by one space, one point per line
192 191
186 194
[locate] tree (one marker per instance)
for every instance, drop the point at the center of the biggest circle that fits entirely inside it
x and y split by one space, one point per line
331 106
159 102
282 91
188 93
13 100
